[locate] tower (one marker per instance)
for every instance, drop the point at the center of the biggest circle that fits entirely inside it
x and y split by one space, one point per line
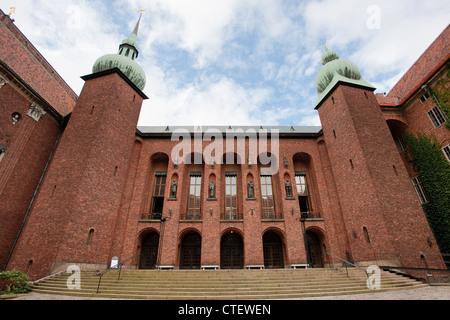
380 209
74 216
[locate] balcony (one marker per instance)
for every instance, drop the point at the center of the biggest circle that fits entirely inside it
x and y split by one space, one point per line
310 215
154 216
231 216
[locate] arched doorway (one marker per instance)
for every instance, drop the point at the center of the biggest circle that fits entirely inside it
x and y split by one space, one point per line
273 251
231 251
315 249
190 251
149 251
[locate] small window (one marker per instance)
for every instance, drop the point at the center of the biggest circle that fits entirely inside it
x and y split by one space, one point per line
436 117
425 97
366 235
420 190
446 151
89 238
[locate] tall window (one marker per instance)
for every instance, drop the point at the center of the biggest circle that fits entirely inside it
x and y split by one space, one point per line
158 195
420 190
302 191
194 196
268 205
446 151
436 117
231 205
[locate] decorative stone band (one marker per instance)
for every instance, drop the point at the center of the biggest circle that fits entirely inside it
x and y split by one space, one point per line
36 112
3 81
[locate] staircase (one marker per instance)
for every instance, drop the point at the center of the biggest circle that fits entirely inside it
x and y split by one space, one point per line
222 284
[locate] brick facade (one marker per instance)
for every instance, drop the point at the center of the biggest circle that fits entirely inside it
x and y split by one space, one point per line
97 198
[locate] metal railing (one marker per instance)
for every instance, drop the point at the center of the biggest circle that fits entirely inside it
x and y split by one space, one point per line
347 263
117 267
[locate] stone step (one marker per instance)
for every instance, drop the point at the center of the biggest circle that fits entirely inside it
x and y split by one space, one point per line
221 284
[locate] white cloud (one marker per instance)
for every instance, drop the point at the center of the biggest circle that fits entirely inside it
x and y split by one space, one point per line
233 62
213 101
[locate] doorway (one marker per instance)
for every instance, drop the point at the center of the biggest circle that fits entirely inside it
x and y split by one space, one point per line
273 251
231 251
149 252
315 249
190 251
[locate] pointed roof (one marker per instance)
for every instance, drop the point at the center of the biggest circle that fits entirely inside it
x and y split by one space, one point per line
124 59
132 39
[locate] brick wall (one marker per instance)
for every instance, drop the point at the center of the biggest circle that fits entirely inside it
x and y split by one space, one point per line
83 187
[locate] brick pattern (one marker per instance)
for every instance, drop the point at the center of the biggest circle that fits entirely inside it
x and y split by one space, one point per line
28 146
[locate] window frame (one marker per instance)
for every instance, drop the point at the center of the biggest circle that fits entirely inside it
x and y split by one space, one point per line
159 189
231 212
420 190
194 207
267 197
437 117
446 151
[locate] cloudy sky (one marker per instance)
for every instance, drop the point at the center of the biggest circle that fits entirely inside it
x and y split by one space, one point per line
233 62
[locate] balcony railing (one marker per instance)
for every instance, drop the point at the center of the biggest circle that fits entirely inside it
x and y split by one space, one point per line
231 216
312 215
146 216
191 216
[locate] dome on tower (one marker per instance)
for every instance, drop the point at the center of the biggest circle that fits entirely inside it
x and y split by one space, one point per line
124 60
336 70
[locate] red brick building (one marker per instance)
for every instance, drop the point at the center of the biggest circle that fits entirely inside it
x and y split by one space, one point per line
81 184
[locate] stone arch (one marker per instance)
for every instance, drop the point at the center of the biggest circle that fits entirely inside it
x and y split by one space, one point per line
317 249
148 248
231 249
274 249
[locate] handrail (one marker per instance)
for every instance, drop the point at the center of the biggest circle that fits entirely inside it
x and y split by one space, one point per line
119 267
349 263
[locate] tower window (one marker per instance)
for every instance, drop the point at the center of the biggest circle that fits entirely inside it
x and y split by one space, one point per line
366 235
89 239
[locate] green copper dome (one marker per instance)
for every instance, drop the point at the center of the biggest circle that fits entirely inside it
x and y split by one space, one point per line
124 60
336 70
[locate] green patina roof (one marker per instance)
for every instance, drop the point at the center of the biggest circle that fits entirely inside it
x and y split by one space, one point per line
334 71
124 60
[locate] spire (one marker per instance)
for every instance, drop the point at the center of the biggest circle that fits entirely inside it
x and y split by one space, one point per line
124 59
136 29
